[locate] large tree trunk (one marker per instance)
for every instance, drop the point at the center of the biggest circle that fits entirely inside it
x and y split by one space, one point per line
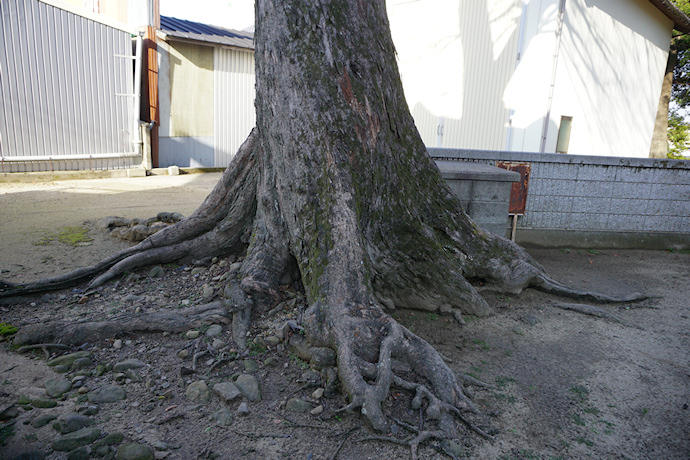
659 146
335 177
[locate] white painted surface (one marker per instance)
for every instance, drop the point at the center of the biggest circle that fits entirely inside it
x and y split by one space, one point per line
478 73
235 115
614 106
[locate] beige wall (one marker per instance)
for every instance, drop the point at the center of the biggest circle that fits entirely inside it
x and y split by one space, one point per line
191 97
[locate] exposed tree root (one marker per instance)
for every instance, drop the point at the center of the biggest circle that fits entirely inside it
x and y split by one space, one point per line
597 312
70 333
45 347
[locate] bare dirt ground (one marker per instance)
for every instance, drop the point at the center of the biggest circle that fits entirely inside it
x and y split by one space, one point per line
567 385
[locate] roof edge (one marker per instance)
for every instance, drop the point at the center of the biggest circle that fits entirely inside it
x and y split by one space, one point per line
681 21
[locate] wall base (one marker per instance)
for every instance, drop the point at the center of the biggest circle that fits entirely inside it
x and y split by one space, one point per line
542 238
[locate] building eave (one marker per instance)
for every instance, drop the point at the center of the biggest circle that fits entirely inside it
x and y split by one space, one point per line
681 22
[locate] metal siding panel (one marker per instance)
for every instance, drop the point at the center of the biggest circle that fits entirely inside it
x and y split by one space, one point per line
234 115
58 81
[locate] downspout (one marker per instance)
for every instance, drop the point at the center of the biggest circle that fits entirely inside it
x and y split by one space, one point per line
136 115
559 33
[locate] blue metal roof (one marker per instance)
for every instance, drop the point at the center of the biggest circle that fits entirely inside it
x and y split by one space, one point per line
190 30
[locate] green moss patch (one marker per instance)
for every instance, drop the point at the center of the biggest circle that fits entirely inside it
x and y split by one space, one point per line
72 236
7 329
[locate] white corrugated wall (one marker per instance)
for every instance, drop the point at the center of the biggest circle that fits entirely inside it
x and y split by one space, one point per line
234 114
59 80
456 67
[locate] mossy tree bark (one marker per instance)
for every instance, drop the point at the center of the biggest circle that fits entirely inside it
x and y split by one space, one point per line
335 177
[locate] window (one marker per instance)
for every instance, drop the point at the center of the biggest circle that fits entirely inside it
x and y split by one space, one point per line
564 134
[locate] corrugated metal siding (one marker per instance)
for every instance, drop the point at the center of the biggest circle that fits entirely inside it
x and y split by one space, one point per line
489 32
234 114
59 77
456 59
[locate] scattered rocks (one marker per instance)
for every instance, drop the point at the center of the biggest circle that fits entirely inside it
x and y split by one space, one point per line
157 272
250 365
198 270
531 320
81 453
198 391
134 451
81 363
132 298
71 422
112 438
243 409
183 354
453 448
107 394
227 391
297 405
318 393
76 439
207 292
56 388
223 417
128 364
42 420
192 334
322 357
272 341
117 344
214 330
68 359
249 386
318 410
41 403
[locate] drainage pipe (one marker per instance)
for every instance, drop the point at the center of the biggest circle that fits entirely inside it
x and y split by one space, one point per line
559 33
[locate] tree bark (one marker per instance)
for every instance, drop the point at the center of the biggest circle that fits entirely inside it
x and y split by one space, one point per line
659 146
335 179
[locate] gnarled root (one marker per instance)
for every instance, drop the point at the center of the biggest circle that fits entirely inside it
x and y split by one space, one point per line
70 333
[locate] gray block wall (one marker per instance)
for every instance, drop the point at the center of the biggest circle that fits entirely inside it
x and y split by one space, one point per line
598 201
483 190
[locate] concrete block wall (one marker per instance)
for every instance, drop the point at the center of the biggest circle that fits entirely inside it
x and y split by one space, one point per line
483 190
593 201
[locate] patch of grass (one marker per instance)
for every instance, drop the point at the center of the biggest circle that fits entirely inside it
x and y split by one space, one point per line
431 316
255 350
482 344
592 410
585 441
644 412
508 353
502 382
578 420
580 391
504 397
299 361
30 437
6 432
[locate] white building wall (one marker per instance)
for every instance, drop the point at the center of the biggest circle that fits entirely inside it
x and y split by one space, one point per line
527 93
611 64
484 74
455 67
235 115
